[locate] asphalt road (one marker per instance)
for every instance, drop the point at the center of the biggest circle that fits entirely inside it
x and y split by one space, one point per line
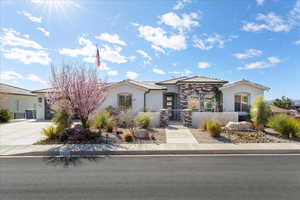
237 177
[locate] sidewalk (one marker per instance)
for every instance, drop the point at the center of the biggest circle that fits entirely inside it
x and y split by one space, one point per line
146 149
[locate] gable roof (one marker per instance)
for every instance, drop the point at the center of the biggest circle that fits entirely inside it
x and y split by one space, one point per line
43 90
201 79
143 85
171 81
9 89
246 82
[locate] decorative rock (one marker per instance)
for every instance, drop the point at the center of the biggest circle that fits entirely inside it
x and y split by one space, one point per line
141 133
238 126
164 117
187 117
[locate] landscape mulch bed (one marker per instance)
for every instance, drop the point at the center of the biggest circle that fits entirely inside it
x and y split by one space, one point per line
108 138
268 136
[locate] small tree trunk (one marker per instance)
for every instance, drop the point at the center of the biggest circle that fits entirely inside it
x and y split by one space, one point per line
84 122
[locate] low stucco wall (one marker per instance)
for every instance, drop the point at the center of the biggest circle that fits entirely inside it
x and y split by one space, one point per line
224 117
154 116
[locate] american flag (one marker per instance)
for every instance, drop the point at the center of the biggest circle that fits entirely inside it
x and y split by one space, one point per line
98 63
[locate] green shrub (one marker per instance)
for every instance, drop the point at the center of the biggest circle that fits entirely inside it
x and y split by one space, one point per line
143 120
203 125
110 126
214 128
4 115
50 132
103 120
62 119
260 112
285 125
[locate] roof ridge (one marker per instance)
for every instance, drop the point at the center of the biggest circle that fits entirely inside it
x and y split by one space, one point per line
16 87
172 79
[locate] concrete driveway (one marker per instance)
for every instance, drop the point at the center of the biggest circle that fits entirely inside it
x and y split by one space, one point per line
22 132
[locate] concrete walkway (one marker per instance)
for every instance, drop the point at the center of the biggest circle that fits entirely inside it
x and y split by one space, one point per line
22 132
178 134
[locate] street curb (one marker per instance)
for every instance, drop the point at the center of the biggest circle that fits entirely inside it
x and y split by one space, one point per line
161 152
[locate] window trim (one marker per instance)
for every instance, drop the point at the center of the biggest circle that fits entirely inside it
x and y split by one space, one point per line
241 107
119 101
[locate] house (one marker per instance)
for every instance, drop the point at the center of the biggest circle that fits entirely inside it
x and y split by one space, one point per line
20 102
198 93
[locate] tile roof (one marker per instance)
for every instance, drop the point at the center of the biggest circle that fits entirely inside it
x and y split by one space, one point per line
172 81
147 85
43 90
202 79
8 89
245 82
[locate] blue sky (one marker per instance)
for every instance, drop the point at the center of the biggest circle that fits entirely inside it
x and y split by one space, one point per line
258 40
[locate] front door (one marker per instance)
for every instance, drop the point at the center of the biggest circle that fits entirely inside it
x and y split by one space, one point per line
171 105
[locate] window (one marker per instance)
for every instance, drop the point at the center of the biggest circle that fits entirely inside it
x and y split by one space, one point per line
193 102
125 101
241 103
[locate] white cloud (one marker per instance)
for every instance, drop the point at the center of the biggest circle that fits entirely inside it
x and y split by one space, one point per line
270 62
272 23
35 78
112 38
180 4
209 42
203 65
27 56
112 73
159 38
260 2
249 53
158 71
10 76
44 31
14 76
88 50
30 17
10 37
273 60
297 42
185 22
186 72
145 55
158 49
295 12
132 75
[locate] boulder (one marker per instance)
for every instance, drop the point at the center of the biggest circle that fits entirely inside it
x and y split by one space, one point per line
238 126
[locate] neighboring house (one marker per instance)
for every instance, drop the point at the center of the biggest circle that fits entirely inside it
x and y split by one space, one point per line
20 102
197 93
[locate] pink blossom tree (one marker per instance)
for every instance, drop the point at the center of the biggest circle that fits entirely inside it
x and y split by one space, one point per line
80 90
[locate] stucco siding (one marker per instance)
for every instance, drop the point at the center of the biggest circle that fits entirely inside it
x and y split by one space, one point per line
171 88
230 92
154 100
40 113
199 117
112 97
